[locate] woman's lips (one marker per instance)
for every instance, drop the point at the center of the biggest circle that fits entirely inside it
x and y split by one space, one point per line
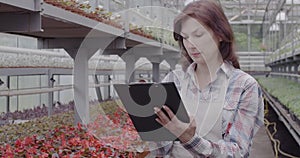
196 54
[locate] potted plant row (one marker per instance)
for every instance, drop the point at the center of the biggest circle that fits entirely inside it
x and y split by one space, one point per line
84 9
99 14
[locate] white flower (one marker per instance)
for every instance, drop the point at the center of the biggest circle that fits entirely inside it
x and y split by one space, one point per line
86 2
100 6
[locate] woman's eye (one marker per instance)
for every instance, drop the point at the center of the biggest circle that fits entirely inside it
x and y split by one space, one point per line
199 35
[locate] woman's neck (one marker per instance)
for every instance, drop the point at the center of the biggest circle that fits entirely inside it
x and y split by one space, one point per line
206 73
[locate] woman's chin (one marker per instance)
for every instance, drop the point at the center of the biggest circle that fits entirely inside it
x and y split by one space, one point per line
199 60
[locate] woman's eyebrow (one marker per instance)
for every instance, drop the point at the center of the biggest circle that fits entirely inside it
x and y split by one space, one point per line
195 31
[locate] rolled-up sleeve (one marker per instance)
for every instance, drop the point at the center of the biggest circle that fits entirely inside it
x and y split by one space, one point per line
162 149
247 119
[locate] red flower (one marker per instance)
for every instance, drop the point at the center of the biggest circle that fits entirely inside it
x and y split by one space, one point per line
130 155
18 143
32 150
9 151
79 126
85 143
63 140
108 152
28 141
43 155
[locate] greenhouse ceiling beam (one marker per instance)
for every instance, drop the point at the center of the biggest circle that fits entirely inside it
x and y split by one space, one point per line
245 22
20 22
256 8
231 3
243 13
259 22
273 16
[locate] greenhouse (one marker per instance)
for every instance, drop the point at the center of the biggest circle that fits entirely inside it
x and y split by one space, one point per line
61 61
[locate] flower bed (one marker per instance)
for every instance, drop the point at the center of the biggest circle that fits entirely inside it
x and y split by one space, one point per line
36 112
56 136
285 90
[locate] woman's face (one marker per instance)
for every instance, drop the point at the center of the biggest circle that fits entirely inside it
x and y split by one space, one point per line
200 42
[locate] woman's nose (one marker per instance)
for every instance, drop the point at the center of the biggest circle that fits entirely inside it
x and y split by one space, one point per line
189 45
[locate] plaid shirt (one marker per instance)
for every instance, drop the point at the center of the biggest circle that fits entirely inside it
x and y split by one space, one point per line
242 114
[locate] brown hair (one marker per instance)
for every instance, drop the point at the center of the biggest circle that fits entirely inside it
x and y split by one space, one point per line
212 16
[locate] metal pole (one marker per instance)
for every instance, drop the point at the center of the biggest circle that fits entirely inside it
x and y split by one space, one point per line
98 91
50 94
7 97
155 72
17 95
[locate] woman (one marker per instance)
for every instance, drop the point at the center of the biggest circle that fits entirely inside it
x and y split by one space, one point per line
225 103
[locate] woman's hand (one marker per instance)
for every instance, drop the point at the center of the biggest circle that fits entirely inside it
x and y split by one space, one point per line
184 131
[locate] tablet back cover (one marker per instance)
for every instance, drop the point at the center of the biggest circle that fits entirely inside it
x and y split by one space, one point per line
139 101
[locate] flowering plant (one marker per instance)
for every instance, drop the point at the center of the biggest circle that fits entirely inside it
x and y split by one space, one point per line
118 139
85 9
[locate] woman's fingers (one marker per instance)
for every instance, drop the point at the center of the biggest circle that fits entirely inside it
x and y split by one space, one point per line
161 116
169 112
171 116
158 120
174 125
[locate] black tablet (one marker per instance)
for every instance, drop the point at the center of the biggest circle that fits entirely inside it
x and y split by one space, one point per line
139 99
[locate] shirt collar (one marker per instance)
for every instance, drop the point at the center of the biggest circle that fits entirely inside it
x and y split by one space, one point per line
226 67
191 68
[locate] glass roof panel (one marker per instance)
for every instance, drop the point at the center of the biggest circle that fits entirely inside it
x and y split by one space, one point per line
239 10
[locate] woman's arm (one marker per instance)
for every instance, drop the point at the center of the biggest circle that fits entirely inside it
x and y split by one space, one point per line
237 140
163 148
